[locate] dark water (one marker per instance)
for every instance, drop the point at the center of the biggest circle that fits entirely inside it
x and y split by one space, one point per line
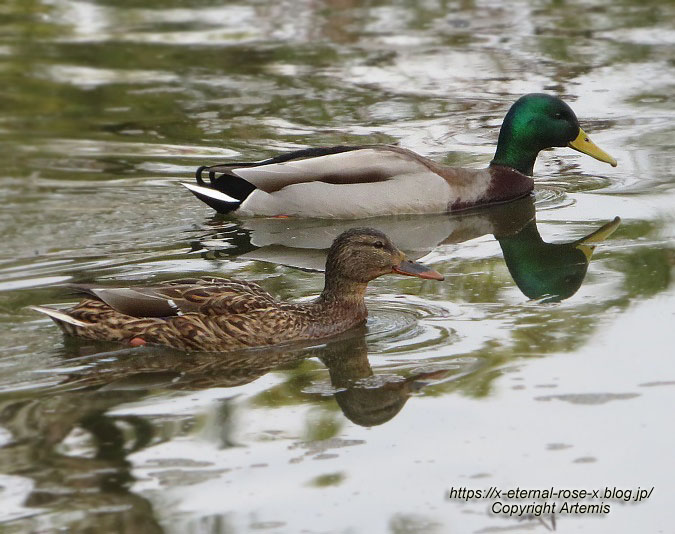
483 380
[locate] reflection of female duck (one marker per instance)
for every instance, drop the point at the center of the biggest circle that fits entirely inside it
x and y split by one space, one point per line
369 404
67 480
346 358
217 314
370 181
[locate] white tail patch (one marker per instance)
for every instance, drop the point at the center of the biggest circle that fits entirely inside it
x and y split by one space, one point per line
211 193
60 316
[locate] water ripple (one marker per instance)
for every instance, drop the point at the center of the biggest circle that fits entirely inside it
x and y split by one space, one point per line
548 197
408 325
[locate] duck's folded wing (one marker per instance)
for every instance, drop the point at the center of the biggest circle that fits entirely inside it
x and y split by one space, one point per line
220 296
139 302
333 165
215 281
227 300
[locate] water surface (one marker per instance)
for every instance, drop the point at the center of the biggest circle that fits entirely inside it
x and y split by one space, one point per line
474 382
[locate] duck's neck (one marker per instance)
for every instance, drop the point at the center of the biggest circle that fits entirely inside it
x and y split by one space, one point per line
518 144
514 155
343 299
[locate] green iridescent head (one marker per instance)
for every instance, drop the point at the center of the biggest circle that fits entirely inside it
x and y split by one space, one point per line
538 121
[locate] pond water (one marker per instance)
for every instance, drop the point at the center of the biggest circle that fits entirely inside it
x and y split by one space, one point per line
486 380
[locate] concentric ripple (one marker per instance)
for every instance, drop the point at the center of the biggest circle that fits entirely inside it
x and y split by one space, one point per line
547 197
407 325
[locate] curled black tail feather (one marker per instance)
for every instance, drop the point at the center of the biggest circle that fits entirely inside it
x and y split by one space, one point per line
227 183
198 175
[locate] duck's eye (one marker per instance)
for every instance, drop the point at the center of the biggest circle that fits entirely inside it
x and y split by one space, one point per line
378 244
558 115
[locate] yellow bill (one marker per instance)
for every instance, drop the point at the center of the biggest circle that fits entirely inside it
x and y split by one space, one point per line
584 144
587 244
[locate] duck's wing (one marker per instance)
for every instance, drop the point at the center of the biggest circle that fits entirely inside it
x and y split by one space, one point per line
208 296
230 184
332 165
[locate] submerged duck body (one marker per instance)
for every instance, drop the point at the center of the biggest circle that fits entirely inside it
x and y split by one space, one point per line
217 314
369 181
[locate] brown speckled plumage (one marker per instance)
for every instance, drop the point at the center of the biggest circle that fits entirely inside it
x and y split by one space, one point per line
217 314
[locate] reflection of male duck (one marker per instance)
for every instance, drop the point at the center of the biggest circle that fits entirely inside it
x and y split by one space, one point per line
303 243
550 271
553 271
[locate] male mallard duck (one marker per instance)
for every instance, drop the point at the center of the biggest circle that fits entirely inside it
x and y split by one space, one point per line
367 181
216 314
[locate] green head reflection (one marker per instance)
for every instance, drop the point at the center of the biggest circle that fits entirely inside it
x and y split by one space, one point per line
550 271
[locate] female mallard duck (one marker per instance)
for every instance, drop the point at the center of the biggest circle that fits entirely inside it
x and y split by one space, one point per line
367 181
216 314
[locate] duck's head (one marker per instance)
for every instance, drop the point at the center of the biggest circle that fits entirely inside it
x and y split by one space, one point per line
538 121
360 255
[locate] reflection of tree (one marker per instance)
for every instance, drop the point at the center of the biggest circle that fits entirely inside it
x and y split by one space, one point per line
648 272
86 492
